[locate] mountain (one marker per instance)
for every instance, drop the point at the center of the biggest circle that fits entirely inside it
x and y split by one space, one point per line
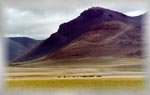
18 45
112 38
25 41
96 32
14 49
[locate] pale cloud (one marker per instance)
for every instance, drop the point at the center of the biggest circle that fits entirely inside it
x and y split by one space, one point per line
40 19
135 13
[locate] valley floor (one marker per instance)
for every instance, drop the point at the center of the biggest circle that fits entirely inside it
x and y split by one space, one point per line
97 74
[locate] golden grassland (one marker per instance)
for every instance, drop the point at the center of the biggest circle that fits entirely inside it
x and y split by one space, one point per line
78 84
117 74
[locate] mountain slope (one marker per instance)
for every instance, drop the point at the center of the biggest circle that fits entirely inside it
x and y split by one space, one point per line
14 49
112 38
25 41
86 22
18 45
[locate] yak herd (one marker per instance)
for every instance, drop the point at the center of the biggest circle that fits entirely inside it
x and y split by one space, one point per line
80 76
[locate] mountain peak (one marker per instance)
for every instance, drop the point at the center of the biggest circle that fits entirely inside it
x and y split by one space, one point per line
93 12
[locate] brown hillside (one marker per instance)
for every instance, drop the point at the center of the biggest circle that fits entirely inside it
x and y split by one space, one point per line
112 38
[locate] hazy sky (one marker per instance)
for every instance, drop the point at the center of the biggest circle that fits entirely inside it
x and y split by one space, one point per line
39 19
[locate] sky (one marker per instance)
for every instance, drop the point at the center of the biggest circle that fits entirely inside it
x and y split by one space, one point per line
38 19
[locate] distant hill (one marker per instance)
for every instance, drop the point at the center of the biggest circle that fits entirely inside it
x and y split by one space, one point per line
25 41
96 32
18 45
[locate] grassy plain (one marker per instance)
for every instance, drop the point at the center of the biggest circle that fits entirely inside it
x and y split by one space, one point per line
103 84
117 73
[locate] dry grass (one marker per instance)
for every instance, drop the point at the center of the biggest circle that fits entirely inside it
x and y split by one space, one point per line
132 84
44 74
